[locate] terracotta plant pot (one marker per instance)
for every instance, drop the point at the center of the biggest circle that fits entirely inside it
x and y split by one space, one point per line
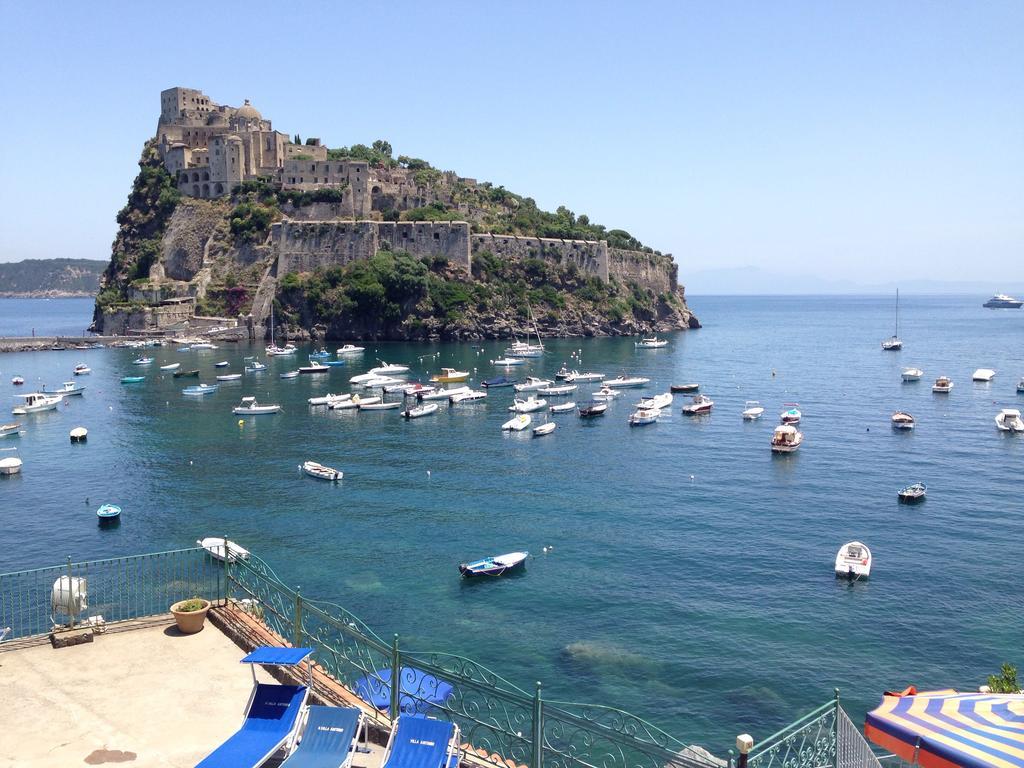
190 622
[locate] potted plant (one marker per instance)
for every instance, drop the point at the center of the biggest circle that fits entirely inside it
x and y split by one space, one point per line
189 615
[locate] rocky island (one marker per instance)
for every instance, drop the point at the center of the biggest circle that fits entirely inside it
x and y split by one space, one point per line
50 278
228 218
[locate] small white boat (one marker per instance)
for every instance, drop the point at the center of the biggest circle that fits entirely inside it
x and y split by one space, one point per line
201 389
558 390
249 407
902 420
791 415
204 345
363 377
563 408
349 349
643 416
78 435
651 343
424 409
1009 420
544 429
215 547
853 561
493 566
353 402
170 367
221 364
321 472
983 374
786 438
385 369
517 423
529 405
82 370
620 382
142 361
314 367
38 401
442 394
508 362
276 351
472 396
69 388
892 344
1020 387
579 378
382 381
229 377
418 388
381 405
255 366
289 375
532 384
10 466
660 402
943 385
607 394
327 399
754 410
912 374
700 404
17 381
6 430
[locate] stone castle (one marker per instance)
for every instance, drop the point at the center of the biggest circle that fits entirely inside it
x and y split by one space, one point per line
209 149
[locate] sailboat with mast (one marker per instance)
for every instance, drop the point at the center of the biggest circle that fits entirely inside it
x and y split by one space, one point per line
525 348
273 349
894 343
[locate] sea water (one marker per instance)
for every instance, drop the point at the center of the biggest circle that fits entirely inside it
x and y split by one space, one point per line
689 578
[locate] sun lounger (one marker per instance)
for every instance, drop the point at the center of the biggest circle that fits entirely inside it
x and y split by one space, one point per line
328 738
270 721
417 742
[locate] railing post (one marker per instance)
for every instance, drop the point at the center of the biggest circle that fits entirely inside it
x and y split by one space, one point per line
70 594
744 743
297 627
395 704
537 746
835 760
227 573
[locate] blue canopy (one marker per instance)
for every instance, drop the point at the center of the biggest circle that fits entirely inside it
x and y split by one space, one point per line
420 743
418 690
282 657
328 738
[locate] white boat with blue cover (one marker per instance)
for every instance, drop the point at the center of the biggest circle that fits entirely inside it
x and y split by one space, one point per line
494 566
108 512
201 389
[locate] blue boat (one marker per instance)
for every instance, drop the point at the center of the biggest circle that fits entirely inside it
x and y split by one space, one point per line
494 566
320 355
132 379
108 512
499 381
200 389
333 363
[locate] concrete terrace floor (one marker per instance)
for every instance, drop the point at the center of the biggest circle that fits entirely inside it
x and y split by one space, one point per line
141 696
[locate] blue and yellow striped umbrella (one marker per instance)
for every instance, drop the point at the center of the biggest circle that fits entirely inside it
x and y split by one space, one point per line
945 729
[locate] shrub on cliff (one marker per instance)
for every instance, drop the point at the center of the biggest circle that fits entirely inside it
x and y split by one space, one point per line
251 221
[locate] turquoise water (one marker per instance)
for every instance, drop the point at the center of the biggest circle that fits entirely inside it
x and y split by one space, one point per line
47 317
691 576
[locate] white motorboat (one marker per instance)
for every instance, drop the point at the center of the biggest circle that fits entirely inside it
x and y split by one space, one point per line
472 396
983 374
791 415
853 561
508 362
17 381
1009 420
363 377
255 366
522 349
651 343
558 390
82 370
249 407
142 361
10 466
424 409
38 401
562 408
320 472
563 373
215 547
643 416
399 385
1020 387
170 367
328 399
229 377
383 381
353 402
78 435
517 423
660 402
532 384
7 430
620 382
384 369
275 351
529 405
786 438
894 343
417 388
442 394
69 388
201 389
943 385
579 378
607 394
754 410
902 420
314 367
221 364
700 404
544 429
382 405
912 374
349 349
289 375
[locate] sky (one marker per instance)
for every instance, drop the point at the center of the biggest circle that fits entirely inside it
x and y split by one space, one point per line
852 141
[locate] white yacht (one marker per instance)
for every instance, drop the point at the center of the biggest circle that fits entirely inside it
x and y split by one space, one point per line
385 369
38 401
472 396
643 416
1002 301
754 410
894 343
349 349
660 402
578 378
249 407
853 561
69 388
1009 420
786 438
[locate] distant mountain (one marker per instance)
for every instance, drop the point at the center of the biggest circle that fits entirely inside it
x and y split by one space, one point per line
756 281
51 277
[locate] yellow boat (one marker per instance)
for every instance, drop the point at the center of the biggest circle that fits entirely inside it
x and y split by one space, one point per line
449 375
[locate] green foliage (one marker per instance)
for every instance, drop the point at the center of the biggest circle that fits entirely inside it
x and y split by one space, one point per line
448 296
377 155
436 211
413 163
146 254
251 221
310 142
301 157
1005 681
333 194
190 606
71 275
426 177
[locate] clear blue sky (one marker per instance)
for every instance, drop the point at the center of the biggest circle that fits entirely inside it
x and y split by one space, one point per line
845 139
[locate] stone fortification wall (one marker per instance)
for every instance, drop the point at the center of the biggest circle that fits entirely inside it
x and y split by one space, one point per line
659 273
590 256
302 246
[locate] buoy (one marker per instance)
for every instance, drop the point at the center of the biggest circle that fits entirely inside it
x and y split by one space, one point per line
241 422
428 473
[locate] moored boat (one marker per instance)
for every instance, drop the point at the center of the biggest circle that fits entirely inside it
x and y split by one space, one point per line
652 342
791 415
532 384
249 407
328 399
321 472
499 381
684 388
288 375
786 438
529 405
82 370
142 361
69 388
349 349
1009 420
494 566
221 364
943 385
606 394
386 369
623 381
191 374
380 405
472 396
983 374
580 378
662 401
78 435
229 377
314 367
753 410
592 408
558 390
700 404
442 394
449 376
902 420
1002 301
508 362
17 381
912 493
170 367
517 423
643 416
7 430
424 409
353 402
38 401
912 374
255 366
562 408
10 465
201 389
415 389
894 343
544 429
853 561
132 379
108 512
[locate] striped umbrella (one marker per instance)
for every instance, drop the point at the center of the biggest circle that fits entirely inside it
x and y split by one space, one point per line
945 729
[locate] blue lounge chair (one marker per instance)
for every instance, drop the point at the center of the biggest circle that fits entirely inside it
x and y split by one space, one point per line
328 739
417 742
269 724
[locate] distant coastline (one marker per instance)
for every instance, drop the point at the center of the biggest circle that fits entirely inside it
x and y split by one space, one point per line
47 294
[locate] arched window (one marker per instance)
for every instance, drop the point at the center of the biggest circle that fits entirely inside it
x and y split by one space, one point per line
206 190
219 188
206 175
375 191
195 190
195 177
